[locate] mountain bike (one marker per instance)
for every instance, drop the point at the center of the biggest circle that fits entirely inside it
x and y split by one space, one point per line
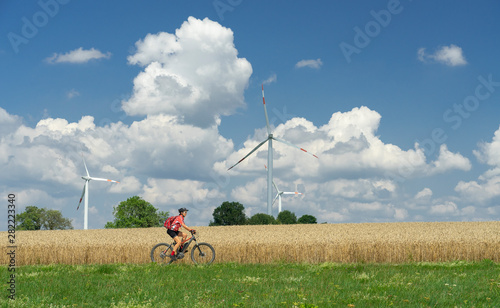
201 253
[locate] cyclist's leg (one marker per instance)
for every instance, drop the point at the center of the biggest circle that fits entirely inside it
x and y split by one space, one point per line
177 240
183 235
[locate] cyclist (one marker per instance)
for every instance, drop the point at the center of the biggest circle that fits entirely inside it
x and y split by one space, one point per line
175 233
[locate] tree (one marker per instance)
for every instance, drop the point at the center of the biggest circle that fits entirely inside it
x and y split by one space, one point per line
34 218
307 219
229 214
53 220
30 219
261 219
162 216
287 218
136 213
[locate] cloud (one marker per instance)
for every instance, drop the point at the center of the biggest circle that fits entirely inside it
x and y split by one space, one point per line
488 152
448 161
487 186
72 93
8 122
425 194
79 55
347 146
128 184
175 193
447 208
251 193
271 79
194 74
158 150
316 64
360 189
449 55
50 152
481 191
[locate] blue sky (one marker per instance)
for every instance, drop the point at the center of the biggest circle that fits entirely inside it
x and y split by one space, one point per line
399 100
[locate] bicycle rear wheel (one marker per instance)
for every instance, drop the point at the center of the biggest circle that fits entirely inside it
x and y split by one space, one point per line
203 253
161 253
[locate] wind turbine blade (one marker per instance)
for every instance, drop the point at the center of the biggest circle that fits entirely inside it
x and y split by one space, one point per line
265 111
276 187
291 193
85 166
104 180
277 195
254 149
83 194
293 145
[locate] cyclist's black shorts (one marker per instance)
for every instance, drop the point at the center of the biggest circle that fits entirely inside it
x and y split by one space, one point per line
172 233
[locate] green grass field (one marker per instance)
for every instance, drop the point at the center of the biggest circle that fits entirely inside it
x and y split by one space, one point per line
454 284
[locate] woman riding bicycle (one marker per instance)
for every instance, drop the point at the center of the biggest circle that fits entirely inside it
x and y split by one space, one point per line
174 232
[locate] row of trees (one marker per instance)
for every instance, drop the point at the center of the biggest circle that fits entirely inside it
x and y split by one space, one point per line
34 218
132 213
135 212
233 213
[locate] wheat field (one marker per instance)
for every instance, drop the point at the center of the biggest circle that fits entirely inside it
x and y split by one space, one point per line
346 243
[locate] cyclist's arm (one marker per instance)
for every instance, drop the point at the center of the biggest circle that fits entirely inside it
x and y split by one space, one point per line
185 227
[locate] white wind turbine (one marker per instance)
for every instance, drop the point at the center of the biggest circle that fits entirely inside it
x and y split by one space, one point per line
279 193
85 193
270 138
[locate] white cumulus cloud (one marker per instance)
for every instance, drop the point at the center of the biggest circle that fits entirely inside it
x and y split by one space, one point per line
194 74
271 79
79 55
171 192
448 208
487 186
309 63
449 55
347 144
448 160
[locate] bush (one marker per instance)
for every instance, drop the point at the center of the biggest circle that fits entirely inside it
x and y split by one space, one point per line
261 219
307 219
287 218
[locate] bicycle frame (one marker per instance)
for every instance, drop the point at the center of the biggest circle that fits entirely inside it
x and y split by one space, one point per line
188 241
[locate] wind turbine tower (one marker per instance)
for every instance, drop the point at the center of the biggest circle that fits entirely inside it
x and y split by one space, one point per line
85 194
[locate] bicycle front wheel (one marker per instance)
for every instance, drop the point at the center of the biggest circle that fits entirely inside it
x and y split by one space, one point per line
161 254
203 253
